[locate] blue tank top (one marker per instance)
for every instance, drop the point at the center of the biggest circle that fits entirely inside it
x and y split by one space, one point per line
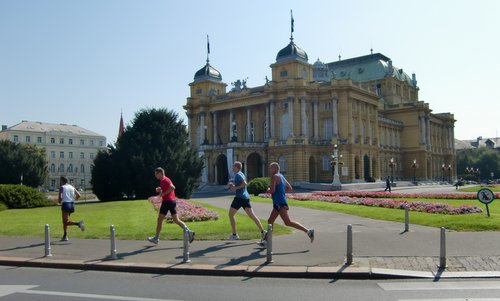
242 192
279 197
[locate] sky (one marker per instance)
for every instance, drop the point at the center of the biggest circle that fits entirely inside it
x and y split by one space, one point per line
87 62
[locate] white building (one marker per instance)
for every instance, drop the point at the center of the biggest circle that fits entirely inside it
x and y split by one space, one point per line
70 149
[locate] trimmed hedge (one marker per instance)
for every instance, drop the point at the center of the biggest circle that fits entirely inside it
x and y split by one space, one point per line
258 185
21 196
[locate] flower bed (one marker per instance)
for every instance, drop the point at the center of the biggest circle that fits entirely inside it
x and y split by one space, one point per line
186 211
382 194
385 203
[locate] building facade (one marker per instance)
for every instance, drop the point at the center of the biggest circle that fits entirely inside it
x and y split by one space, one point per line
70 149
365 105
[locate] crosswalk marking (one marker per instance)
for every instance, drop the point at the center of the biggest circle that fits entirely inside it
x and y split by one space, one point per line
441 285
27 289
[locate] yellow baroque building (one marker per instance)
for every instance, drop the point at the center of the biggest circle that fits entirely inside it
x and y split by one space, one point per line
365 105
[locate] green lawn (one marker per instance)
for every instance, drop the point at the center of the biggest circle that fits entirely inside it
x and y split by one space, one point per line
494 188
132 220
465 222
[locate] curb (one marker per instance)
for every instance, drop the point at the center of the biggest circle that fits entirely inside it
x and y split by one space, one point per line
264 271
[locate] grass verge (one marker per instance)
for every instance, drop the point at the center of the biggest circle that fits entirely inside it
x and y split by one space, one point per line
464 222
134 220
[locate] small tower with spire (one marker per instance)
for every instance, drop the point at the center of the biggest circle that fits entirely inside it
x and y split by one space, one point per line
121 127
291 61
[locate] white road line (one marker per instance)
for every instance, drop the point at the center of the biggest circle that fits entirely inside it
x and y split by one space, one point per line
26 289
456 299
441 285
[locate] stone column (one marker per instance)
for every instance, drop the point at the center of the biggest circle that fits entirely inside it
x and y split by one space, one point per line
271 123
231 118
249 133
428 133
266 131
335 113
422 130
303 117
214 128
290 115
316 119
202 127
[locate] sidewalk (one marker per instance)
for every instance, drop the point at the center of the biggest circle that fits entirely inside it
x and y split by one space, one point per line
381 249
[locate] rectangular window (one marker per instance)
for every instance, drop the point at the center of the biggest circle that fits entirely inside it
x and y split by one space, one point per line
39 139
82 142
61 155
61 140
101 143
82 155
70 141
52 140
326 163
284 73
53 154
28 139
92 142
199 91
16 138
328 129
70 155
91 155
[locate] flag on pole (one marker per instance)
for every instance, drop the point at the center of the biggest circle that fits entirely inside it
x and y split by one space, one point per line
208 45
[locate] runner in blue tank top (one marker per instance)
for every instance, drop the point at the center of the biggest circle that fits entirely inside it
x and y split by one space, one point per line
241 199
279 186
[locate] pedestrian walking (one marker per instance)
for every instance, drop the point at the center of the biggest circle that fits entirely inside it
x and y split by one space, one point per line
67 196
279 186
167 192
241 199
387 184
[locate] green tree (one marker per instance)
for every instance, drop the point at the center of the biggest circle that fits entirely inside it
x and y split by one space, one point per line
23 160
156 138
485 159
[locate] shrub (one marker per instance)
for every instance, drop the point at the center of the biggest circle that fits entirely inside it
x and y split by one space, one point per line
258 185
21 196
3 206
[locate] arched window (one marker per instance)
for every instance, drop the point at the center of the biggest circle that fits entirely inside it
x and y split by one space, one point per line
52 168
61 168
82 168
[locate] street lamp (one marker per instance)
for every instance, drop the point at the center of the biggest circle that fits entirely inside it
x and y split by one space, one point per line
442 168
335 162
234 138
205 141
392 164
414 165
449 173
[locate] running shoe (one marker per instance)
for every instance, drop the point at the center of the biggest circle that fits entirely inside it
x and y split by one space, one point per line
310 233
153 240
234 237
81 225
190 235
64 238
264 235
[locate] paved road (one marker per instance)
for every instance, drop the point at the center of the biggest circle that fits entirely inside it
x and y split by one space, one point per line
20 284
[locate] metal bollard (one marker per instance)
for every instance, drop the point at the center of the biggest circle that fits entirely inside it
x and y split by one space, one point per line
185 253
442 251
113 244
348 260
407 219
269 250
47 241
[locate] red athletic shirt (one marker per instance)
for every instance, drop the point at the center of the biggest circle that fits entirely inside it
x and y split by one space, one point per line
165 184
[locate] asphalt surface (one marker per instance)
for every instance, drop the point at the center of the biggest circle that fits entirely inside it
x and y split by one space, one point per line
380 249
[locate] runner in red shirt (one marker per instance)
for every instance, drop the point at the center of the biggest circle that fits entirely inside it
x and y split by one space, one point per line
167 192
